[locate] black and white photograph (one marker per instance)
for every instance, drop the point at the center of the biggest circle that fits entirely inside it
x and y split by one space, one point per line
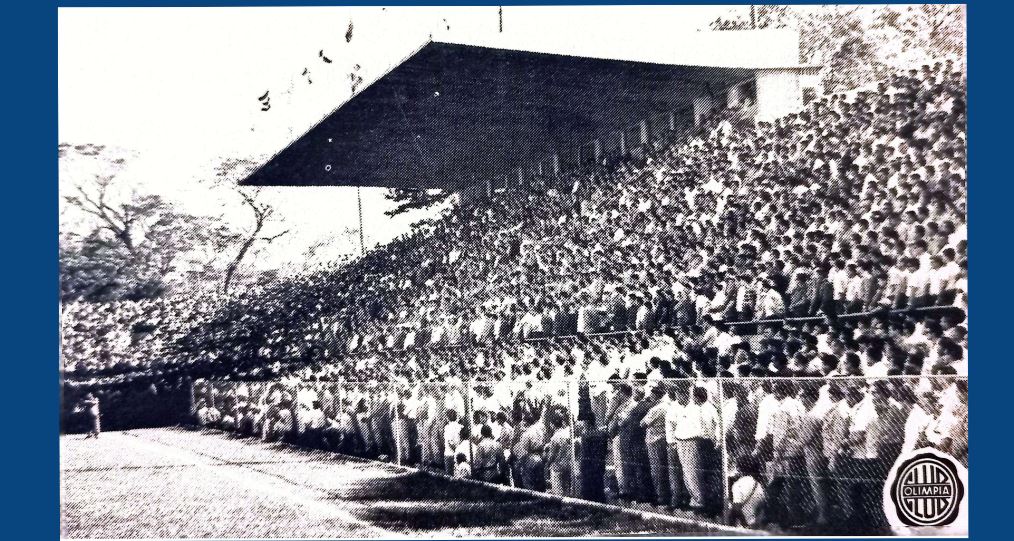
513 271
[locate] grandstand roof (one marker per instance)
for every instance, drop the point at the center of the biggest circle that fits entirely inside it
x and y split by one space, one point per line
453 114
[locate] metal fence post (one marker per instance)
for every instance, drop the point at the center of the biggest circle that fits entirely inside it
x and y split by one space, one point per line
572 407
192 406
467 421
723 445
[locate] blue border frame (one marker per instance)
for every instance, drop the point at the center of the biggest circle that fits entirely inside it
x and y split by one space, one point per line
31 269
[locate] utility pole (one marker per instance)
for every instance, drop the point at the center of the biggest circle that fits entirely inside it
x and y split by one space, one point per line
753 17
501 19
362 243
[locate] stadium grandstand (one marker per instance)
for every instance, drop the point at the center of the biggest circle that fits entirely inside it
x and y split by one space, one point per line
633 230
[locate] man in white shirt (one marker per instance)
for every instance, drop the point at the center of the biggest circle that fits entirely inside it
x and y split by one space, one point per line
767 403
875 439
785 430
918 419
688 424
679 398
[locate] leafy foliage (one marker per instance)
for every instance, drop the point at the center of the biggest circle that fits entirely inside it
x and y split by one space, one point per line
410 199
859 44
131 246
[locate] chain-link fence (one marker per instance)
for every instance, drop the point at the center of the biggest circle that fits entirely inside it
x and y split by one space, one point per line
784 454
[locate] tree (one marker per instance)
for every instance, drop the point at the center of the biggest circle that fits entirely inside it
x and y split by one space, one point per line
937 29
229 172
129 244
760 17
409 199
857 45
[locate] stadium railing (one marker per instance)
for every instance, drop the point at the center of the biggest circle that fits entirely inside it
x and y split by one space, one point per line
816 463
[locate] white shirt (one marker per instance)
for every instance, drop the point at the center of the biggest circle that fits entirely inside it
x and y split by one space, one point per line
915 426
785 422
312 419
765 409
691 421
452 437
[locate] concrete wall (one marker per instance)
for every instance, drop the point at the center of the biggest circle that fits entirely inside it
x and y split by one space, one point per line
778 93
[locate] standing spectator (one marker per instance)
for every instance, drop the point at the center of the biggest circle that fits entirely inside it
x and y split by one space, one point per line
559 457
787 486
488 464
90 405
875 439
810 441
653 424
452 437
462 470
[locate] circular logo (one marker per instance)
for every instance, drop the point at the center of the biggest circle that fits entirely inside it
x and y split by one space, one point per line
927 491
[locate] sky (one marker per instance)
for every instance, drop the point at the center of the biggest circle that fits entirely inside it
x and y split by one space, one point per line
175 91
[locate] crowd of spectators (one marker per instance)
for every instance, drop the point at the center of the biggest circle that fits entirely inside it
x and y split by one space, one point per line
120 337
855 204
786 454
817 263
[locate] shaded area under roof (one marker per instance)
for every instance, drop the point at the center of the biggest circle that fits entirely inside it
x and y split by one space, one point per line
452 115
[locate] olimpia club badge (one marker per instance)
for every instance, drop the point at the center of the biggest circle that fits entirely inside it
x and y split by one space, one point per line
926 493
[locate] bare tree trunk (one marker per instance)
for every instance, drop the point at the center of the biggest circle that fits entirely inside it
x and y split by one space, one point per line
230 271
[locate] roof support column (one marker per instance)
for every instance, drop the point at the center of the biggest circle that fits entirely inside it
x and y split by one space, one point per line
556 164
623 143
702 106
644 132
598 151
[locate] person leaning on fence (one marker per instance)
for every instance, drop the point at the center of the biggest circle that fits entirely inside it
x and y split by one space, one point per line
679 493
208 415
787 488
810 442
313 422
590 449
343 431
632 438
875 438
653 424
244 420
402 431
948 429
619 407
